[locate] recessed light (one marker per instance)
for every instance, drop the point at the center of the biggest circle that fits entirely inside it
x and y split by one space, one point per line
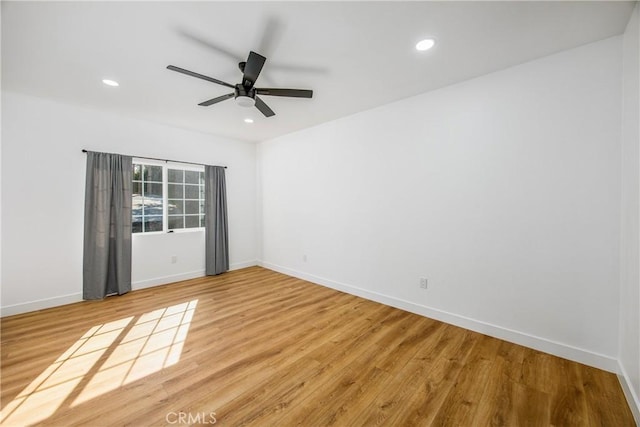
425 44
110 82
248 120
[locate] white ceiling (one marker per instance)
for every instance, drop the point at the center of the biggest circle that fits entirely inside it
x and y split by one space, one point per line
354 55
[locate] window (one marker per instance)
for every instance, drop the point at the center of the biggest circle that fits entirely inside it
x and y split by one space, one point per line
148 201
186 199
166 198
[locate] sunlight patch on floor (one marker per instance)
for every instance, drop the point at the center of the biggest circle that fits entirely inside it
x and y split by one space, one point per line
153 343
106 357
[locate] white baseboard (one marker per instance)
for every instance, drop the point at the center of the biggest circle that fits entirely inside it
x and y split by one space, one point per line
632 397
565 351
40 304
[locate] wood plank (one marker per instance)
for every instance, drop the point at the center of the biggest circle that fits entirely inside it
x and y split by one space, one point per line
562 380
602 391
509 403
463 401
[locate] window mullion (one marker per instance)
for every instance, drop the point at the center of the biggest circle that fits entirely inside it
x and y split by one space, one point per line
165 199
142 183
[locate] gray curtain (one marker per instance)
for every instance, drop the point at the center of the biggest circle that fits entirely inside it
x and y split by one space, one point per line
215 221
107 226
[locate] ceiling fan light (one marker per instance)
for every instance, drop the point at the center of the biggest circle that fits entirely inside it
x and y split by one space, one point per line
245 101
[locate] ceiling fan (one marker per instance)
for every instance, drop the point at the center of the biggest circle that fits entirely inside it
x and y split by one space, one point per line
245 93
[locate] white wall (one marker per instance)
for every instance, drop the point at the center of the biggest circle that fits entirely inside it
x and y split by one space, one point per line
1 163
504 191
43 175
629 353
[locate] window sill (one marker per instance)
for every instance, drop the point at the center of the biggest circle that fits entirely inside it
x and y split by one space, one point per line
160 233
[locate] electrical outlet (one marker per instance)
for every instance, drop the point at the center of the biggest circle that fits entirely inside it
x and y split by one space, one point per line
304 258
423 282
174 259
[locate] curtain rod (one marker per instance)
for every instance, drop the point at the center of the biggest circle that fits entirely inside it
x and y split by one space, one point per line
162 160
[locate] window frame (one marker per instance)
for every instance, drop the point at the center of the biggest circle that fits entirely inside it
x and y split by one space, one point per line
189 168
165 195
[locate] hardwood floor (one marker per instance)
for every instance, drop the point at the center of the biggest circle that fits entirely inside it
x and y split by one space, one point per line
255 347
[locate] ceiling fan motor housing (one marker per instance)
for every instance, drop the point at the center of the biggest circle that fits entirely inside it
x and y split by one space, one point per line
245 97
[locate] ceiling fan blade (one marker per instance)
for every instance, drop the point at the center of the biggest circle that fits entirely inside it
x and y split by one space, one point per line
252 69
216 100
295 93
264 108
200 76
